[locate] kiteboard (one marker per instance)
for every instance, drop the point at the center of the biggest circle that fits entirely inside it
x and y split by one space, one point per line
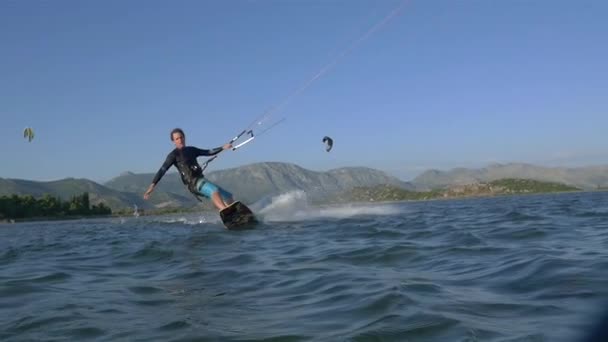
238 216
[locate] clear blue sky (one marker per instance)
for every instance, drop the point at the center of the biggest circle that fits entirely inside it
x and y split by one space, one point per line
443 84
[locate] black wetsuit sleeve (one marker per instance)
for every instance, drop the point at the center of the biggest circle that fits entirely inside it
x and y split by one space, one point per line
166 165
208 153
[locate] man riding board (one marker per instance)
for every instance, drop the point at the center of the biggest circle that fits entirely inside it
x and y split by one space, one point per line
184 159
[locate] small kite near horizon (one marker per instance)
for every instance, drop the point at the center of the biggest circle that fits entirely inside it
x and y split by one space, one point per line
329 143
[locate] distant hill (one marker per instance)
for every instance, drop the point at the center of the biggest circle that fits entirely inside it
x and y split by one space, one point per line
588 178
253 181
493 188
249 183
66 188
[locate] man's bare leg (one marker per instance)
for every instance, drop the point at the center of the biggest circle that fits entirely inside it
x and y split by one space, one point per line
218 201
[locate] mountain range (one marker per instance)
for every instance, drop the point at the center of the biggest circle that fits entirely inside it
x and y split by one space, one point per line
248 183
252 182
587 178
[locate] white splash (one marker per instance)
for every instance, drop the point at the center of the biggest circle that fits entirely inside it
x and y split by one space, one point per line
294 206
192 219
289 207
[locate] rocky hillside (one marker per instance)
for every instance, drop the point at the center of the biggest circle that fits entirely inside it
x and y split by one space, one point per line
494 188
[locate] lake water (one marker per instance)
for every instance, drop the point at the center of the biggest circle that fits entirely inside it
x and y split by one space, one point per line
520 268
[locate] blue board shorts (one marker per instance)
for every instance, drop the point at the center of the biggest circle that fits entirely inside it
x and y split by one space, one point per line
206 188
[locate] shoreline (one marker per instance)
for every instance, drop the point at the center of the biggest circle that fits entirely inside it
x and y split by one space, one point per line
186 211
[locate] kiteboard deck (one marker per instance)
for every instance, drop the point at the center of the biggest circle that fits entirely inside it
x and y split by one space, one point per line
238 216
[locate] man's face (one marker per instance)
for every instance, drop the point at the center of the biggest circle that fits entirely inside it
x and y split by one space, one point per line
178 140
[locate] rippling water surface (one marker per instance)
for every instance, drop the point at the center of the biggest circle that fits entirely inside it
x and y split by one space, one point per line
522 268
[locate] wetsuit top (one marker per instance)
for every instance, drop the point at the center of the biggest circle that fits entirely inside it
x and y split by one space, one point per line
184 160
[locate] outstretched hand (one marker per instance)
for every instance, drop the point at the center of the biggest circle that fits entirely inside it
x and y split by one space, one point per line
148 192
227 146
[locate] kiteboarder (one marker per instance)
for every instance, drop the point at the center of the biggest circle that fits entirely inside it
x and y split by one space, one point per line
184 159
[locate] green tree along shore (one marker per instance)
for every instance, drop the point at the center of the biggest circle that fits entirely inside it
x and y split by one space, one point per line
21 207
26 207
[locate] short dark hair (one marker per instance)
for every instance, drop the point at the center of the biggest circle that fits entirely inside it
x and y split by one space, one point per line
177 130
